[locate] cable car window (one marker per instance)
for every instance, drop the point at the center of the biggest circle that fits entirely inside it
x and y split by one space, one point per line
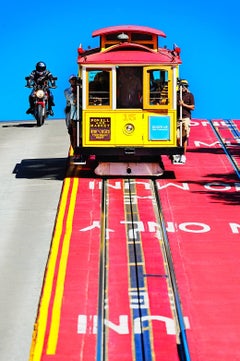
98 85
139 36
129 87
158 87
112 37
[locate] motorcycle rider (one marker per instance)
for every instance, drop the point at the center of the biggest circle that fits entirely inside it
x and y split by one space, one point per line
39 76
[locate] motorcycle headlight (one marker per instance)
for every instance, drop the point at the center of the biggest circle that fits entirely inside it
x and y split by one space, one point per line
40 93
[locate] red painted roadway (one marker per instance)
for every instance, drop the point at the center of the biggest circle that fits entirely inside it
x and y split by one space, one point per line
201 208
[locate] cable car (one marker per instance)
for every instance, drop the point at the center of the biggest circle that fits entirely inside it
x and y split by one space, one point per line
128 101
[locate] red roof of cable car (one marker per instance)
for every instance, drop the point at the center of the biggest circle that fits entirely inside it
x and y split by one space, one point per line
129 57
132 28
128 52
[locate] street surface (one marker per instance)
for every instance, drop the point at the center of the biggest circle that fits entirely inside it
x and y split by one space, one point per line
33 162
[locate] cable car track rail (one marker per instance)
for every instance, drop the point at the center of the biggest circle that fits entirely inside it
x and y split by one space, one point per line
138 275
180 319
102 277
235 134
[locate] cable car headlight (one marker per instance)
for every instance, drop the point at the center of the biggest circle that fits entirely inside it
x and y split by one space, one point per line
129 128
40 93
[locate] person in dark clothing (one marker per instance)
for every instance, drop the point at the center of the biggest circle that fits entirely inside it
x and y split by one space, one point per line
70 94
40 76
186 104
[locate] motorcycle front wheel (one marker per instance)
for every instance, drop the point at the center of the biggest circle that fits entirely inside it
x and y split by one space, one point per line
40 115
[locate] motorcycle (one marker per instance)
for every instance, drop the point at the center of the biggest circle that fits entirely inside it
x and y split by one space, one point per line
40 96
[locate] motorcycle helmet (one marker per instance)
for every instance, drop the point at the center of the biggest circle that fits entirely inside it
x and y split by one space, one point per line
40 67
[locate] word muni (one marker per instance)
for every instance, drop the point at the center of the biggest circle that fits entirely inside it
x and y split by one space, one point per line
89 323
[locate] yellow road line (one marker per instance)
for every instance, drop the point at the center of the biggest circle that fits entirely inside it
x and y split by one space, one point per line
57 305
41 322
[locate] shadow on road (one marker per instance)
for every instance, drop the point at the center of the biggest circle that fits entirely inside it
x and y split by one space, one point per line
44 168
20 125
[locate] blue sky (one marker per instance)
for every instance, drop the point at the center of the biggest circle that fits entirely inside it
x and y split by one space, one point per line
207 32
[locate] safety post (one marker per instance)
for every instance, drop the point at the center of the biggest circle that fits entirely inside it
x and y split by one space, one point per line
78 115
180 115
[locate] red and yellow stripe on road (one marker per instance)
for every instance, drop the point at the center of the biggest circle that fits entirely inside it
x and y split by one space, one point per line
49 330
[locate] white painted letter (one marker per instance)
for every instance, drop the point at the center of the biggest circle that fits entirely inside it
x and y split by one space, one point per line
235 227
219 186
170 326
138 299
132 232
202 228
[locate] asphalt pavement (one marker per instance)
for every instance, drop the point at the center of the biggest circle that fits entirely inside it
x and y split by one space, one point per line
32 168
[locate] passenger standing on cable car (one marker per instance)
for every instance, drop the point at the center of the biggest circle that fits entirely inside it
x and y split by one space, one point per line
70 94
186 104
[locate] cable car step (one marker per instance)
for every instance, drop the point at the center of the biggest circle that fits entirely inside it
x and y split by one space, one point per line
128 169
